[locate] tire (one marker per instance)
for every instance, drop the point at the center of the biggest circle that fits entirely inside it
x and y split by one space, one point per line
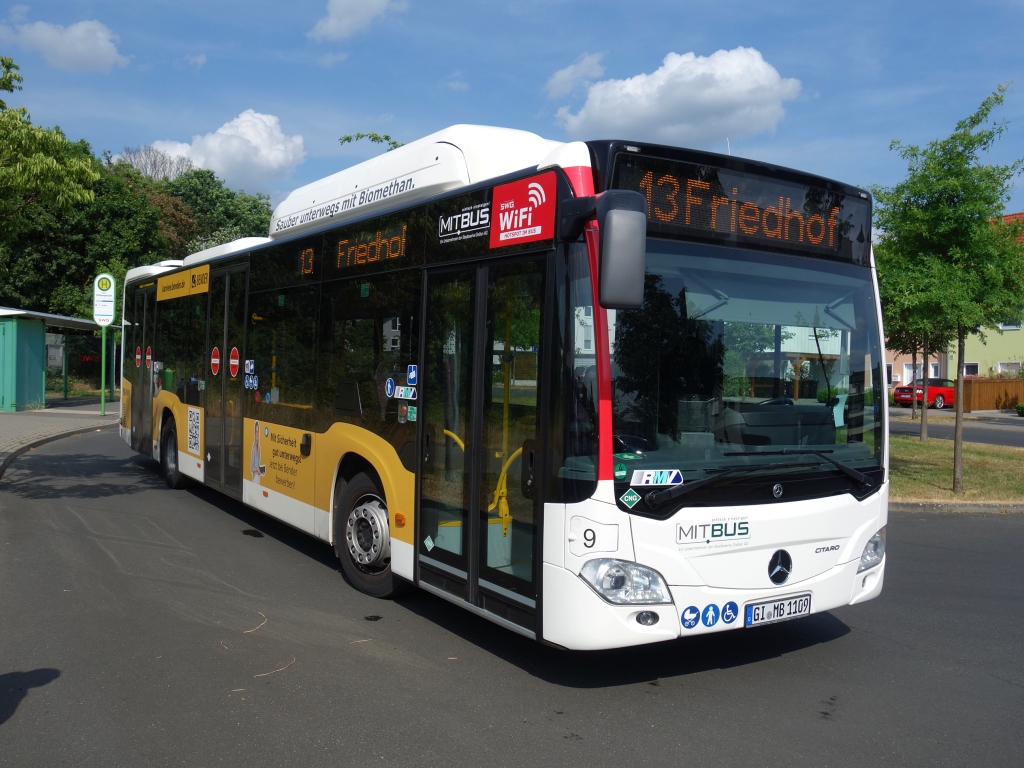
169 457
362 538
939 402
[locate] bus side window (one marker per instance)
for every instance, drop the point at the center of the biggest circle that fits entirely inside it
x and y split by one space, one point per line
281 344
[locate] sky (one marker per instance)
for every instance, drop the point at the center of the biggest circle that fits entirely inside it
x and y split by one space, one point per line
260 92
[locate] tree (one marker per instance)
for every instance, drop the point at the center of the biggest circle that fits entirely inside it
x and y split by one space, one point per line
914 314
215 207
376 138
156 164
37 165
51 264
946 214
10 80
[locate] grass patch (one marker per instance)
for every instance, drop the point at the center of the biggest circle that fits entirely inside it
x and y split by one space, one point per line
924 471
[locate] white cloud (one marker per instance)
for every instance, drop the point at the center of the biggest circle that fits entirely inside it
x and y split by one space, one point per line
19 13
346 17
564 81
196 61
87 46
457 82
246 152
330 59
690 100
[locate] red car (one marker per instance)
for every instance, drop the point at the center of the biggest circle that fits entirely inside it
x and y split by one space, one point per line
940 392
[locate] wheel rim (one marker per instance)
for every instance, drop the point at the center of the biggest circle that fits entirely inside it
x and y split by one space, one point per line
367 536
939 401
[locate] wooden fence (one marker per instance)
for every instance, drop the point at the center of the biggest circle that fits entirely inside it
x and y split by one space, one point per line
992 394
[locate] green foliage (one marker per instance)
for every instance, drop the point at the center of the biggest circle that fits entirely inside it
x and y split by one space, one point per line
376 138
10 80
947 261
945 258
51 265
827 394
1020 409
215 207
38 166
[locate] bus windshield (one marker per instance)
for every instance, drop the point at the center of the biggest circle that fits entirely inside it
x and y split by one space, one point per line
739 356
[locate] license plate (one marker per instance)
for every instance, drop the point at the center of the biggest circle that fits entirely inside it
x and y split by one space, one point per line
777 610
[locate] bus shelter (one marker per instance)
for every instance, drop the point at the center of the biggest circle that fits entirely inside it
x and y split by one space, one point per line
23 355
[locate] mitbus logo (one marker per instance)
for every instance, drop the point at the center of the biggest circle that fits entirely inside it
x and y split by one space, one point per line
523 211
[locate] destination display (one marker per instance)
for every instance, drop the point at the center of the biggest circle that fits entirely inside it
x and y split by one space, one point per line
726 205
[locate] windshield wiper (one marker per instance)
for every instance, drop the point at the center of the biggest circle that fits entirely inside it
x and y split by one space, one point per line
655 499
860 477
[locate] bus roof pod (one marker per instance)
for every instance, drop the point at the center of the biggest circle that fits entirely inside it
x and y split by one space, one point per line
451 158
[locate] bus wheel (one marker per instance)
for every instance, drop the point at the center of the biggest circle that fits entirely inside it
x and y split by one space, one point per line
169 457
362 539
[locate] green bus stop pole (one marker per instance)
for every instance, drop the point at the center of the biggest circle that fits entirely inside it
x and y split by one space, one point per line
113 363
65 366
103 373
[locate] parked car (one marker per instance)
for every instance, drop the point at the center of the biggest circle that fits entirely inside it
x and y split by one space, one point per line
940 393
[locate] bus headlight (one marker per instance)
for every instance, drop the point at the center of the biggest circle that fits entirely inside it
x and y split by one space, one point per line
625 583
873 552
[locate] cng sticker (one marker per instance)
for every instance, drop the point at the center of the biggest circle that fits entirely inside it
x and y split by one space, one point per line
630 498
620 471
215 361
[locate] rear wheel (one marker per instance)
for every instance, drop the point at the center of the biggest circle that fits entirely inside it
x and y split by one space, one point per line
169 457
362 537
939 402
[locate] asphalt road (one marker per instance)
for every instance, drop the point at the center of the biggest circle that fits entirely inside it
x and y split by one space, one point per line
974 431
143 626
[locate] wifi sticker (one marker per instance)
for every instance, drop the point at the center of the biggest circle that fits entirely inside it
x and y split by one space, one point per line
523 211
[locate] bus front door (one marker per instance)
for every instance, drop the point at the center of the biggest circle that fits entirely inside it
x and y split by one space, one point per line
142 389
224 378
481 399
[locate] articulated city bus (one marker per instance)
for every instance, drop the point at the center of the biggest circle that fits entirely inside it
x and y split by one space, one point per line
601 393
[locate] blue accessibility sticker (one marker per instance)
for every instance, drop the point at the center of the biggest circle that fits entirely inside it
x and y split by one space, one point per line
389 387
730 612
690 616
410 376
710 616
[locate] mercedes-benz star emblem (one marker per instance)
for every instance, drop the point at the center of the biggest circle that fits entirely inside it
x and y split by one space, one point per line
780 567
777 490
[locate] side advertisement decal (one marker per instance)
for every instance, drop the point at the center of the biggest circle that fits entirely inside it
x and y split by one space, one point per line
274 460
184 283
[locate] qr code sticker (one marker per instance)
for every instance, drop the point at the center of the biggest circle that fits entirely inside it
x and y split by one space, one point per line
193 431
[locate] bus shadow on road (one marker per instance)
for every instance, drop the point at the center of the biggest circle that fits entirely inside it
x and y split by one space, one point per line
49 476
637 664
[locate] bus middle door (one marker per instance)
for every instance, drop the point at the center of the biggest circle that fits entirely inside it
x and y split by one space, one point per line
223 393
481 389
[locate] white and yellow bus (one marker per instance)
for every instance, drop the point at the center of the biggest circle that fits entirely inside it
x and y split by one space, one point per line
601 393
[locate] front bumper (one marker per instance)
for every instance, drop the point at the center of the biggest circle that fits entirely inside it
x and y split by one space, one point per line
575 617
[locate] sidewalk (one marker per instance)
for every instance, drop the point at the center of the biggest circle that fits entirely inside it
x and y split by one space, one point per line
1006 418
25 429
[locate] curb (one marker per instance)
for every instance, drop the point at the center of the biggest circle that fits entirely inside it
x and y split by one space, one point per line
953 508
9 459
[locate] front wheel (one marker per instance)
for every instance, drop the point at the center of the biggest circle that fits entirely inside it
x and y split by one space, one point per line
169 457
362 537
939 402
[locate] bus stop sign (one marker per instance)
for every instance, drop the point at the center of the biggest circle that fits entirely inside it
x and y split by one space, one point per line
103 300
